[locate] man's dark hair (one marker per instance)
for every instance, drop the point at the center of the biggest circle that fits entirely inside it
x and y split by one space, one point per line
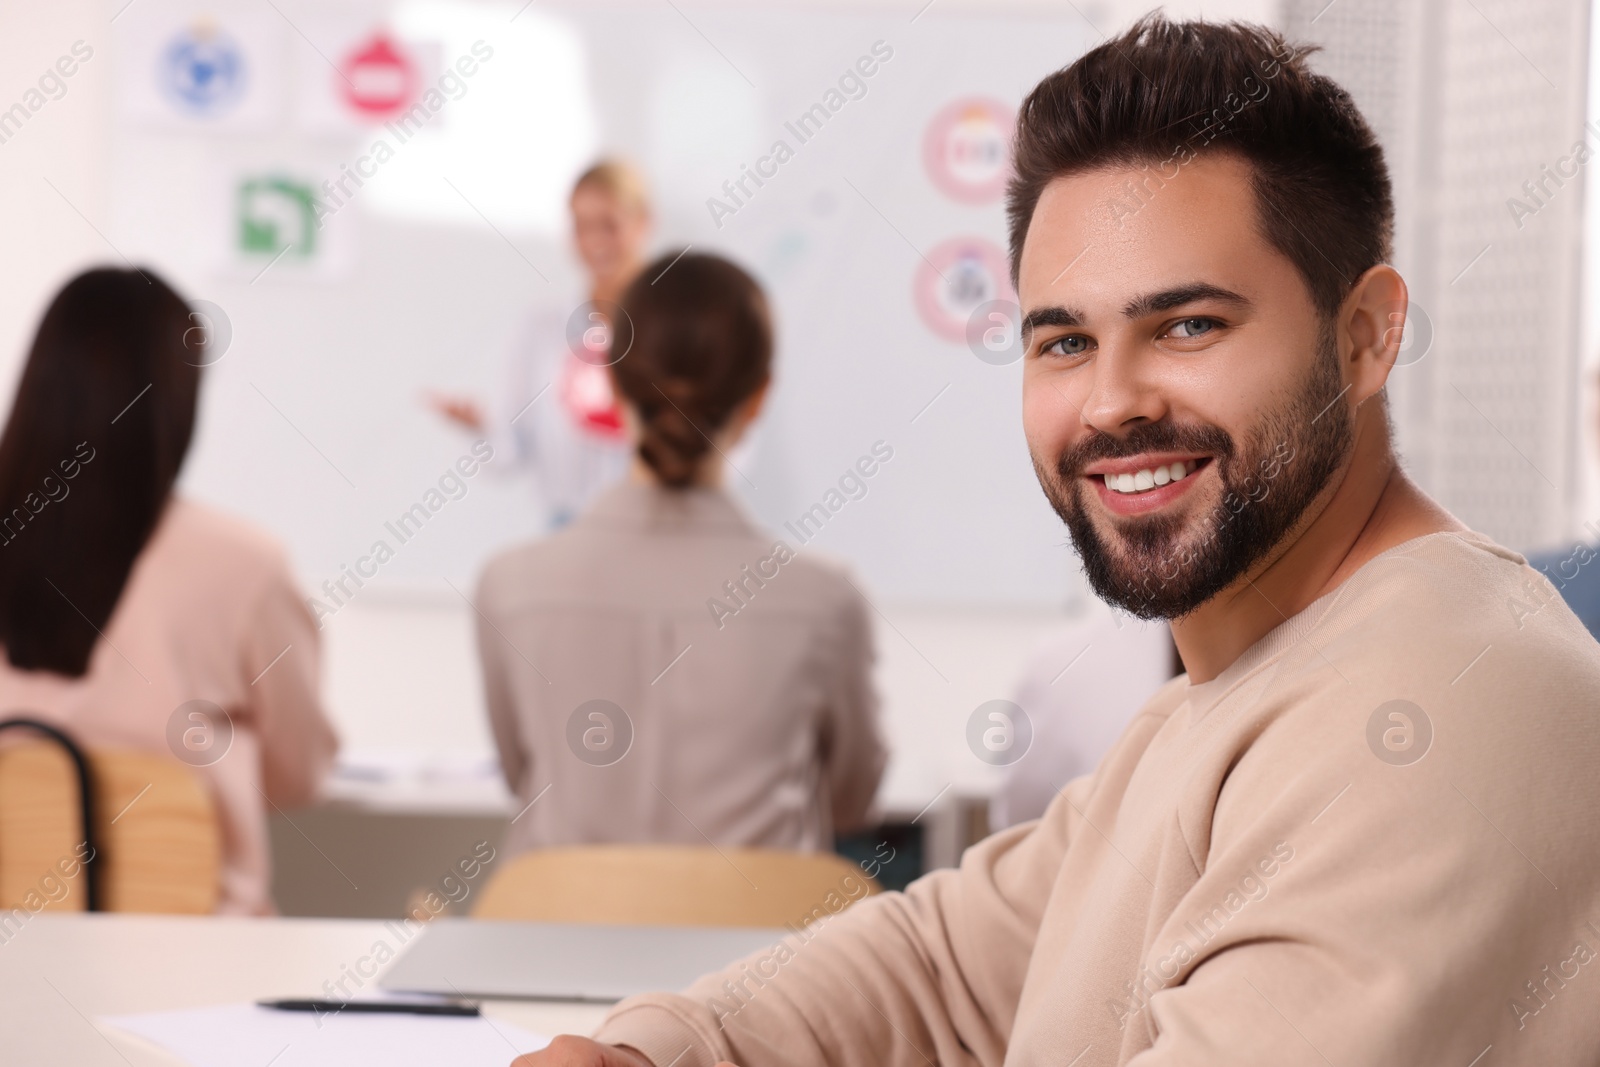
1166 92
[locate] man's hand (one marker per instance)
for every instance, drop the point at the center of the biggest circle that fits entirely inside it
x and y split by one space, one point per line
570 1051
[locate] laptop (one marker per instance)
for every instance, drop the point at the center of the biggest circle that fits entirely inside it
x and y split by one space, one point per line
559 961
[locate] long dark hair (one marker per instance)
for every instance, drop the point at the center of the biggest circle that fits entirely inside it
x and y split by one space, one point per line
696 343
97 434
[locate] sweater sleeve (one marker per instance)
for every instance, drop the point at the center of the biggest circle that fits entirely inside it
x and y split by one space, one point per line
854 748
900 979
282 662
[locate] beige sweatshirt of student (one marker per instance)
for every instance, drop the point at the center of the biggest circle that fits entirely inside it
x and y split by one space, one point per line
1255 874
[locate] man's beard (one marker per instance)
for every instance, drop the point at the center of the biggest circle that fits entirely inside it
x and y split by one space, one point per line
1165 566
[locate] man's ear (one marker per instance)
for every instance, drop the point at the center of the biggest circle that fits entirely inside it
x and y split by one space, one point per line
1371 327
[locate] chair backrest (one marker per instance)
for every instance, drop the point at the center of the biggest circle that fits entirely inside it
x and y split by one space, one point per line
670 885
156 833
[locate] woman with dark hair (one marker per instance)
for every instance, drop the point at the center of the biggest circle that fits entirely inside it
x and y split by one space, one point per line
130 616
663 670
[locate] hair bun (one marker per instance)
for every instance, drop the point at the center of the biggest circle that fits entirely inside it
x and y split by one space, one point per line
698 344
673 442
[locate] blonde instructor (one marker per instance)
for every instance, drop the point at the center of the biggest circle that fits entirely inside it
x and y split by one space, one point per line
557 418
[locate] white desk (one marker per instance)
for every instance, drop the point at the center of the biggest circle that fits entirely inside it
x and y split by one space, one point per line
59 973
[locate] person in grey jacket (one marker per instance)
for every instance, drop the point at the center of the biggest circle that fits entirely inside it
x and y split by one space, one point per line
663 670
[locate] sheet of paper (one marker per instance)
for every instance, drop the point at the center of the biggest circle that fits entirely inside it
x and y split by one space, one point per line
245 1035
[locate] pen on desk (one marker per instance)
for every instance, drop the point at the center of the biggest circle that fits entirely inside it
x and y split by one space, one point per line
391 1006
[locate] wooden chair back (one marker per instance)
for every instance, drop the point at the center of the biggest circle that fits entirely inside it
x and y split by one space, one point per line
153 831
672 885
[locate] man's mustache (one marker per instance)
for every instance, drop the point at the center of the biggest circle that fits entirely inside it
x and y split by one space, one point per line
1145 437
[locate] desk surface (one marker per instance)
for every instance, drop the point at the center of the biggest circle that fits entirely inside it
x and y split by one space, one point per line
59 973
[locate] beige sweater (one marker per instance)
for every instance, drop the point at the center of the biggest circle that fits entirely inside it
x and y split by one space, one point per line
1244 880
753 719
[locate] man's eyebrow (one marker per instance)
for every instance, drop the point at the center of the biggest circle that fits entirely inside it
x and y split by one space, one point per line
1138 307
1179 295
1053 315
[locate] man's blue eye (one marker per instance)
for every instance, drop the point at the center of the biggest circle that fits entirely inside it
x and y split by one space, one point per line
1074 345
1195 327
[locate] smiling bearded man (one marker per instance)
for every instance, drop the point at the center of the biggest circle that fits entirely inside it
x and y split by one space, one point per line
1161 565
1361 829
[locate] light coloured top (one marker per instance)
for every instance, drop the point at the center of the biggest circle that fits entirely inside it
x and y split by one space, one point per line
752 724
1261 872
1080 689
572 458
209 612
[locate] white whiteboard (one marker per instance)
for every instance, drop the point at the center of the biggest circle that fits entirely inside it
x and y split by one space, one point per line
312 423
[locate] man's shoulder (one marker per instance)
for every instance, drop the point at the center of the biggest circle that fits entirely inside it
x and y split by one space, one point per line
1575 572
1449 589
1453 641
1434 715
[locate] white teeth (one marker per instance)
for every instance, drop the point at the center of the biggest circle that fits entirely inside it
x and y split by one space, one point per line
1150 477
